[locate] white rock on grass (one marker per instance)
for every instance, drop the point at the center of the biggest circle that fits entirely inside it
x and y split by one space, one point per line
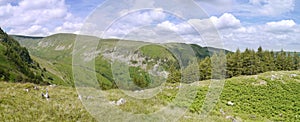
273 77
228 117
27 90
230 103
293 75
112 102
121 102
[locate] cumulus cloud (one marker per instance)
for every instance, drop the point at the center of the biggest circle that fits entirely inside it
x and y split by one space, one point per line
271 35
181 28
32 12
227 20
281 26
69 27
26 16
34 30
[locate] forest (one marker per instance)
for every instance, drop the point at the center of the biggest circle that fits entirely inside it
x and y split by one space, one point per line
248 62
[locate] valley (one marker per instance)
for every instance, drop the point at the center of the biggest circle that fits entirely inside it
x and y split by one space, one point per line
253 90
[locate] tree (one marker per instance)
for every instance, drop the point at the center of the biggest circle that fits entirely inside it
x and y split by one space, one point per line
289 62
205 69
218 62
175 75
191 72
296 61
280 60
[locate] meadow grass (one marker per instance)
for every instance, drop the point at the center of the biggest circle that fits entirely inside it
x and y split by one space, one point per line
255 98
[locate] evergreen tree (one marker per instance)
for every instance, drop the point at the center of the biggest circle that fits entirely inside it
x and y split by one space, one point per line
296 60
205 69
174 76
218 61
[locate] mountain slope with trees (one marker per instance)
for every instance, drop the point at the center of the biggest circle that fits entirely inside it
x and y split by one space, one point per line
54 52
17 65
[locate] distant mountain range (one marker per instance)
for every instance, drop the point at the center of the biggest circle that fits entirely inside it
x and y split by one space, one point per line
54 53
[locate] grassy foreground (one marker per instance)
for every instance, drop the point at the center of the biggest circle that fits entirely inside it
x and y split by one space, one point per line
16 104
271 96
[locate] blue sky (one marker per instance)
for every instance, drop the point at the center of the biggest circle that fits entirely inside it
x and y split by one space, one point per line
273 24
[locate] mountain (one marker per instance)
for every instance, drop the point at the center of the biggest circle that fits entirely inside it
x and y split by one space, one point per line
55 54
16 65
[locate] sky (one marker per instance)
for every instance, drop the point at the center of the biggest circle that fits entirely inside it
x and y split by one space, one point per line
272 24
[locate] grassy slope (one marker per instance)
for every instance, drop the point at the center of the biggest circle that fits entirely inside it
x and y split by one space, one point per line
58 61
275 100
18 105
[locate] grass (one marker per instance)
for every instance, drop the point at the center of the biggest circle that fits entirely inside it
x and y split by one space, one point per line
256 98
18 105
59 61
275 100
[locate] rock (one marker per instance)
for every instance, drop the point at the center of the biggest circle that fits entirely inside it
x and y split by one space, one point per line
222 112
293 75
36 88
52 85
121 102
138 91
262 82
27 90
230 103
273 77
228 117
112 102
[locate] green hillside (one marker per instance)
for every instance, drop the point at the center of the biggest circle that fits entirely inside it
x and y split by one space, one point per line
17 65
256 98
55 54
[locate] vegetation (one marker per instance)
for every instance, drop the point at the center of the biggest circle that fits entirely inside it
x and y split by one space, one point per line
54 53
255 98
18 105
250 62
269 93
17 65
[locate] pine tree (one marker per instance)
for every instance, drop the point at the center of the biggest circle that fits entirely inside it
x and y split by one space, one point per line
174 76
296 60
280 60
261 65
218 61
191 72
231 65
205 69
289 63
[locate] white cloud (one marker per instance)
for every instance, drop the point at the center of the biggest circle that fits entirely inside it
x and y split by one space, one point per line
69 27
265 7
32 12
24 17
181 28
35 30
132 21
227 20
281 26
272 35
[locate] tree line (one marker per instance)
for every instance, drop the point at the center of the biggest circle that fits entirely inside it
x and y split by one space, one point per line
251 62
